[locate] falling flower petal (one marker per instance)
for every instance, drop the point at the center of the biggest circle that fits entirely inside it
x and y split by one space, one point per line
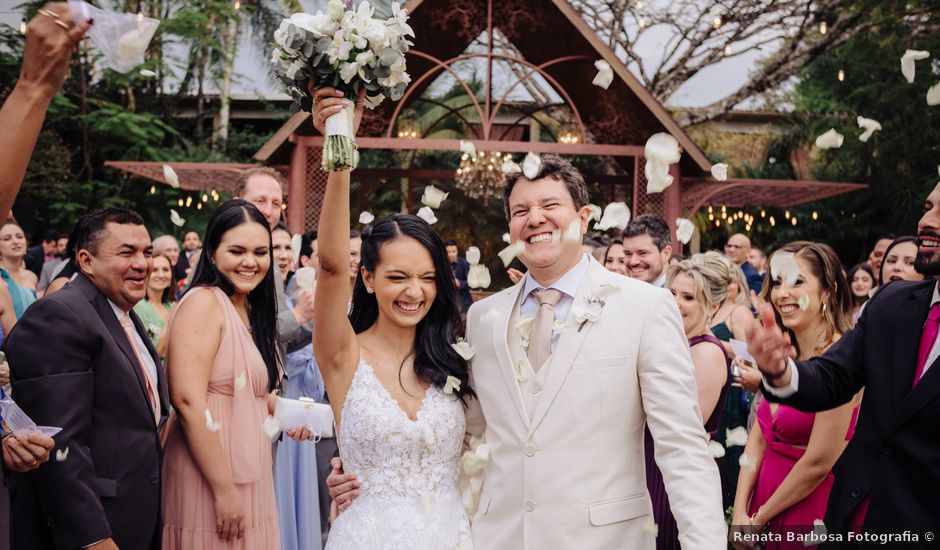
783 265
716 449
452 385
522 373
510 252
365 218
660 151
296 242
473 255
371 102
803 302
169 176
819 531
176 219
426 214
559 326
933 95
596 212
720 171
473 461
433 197
830 140
524 326
616 214
605 75
465 350
573 232
147 73
61 454
506 237
650 528
736 437
510 167
532 165
747 462
870 126
468 148
271 427
684 230
907 62
210 425
478 276
240 382
306 278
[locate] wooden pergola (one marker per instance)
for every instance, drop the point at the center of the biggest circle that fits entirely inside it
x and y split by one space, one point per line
551 43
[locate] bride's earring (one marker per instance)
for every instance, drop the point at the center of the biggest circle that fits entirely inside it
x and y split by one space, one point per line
370 290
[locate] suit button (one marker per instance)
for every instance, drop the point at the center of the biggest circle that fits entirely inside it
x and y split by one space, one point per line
530 450
536 388
154 480
529 506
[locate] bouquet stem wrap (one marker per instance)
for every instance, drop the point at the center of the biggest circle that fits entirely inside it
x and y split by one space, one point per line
339 149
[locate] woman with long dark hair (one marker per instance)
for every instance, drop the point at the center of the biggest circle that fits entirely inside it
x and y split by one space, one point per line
222 366
898 262
396 383
862 279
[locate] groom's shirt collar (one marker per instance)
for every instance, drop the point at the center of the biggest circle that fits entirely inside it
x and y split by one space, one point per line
568 283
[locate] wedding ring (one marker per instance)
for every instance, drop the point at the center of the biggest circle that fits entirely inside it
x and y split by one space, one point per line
62 24
48 13
33 463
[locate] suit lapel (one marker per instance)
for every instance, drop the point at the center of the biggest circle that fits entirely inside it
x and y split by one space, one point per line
911 318
162 390
501 347
569 343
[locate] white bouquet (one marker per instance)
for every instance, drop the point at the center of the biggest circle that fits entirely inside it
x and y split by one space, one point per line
348 50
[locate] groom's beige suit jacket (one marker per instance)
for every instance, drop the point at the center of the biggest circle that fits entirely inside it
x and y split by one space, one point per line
566 468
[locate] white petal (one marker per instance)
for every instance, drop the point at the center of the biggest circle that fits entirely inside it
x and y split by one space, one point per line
720 171
684 230
468 148
506 237
559 326
61 454
907 62
532 165
240 382
147 73
306 278
747 462
819 531
830 140
271 427
573 232
176 219
473 255
433 197
507 254
783 265
596 212
478 276
365 218
933 95
210 425
605 75
372 102
650 528
616 214
803 302
870 126
510 167
295 243
426 214
716 449
465 351
522 373
452 385
524 326
660 151
736 437
169 176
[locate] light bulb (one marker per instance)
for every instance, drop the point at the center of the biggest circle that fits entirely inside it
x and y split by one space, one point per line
153 189
717 22
815 215
180 202
841 75
238 5
773 222
823 27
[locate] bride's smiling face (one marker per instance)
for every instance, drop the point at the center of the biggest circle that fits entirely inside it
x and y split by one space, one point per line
404 281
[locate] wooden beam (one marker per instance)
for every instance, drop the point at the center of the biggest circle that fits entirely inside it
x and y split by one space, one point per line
501 146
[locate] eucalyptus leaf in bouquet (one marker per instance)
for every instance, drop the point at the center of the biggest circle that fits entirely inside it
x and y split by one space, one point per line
349 50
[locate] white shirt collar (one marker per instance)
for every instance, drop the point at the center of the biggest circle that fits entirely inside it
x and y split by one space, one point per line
568 283
936 294
118 312
661 281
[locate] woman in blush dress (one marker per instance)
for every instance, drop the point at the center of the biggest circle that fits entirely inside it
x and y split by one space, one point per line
786 477
218 488
700 286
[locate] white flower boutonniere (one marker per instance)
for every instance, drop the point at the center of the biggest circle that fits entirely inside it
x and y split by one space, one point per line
590 309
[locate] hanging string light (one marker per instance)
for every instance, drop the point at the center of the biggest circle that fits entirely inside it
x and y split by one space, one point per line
153 189
773 222
728 49
815 215
238 5
763 213
189 201
823 27
205 197
793 220
841 75
786 214
180 202
198 206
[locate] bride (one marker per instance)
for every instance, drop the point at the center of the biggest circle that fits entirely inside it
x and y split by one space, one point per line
386 369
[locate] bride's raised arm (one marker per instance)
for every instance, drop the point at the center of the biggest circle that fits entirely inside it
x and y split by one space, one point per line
334 341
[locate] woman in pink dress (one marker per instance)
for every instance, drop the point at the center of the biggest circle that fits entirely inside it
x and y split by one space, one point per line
218 485
786 472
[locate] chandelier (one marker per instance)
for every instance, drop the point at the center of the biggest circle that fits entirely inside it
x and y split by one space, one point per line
481 174
569 134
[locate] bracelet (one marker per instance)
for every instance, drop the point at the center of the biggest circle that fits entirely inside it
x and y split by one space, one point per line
758 519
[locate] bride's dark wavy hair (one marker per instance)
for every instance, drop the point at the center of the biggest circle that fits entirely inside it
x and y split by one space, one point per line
434 358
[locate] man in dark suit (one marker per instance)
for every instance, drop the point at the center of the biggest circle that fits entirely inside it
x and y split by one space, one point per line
81 360
461 268
888 478
737 249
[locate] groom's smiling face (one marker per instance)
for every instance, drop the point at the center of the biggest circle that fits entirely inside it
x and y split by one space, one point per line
539 212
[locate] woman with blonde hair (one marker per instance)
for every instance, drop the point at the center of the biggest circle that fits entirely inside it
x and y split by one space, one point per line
700 287
787 475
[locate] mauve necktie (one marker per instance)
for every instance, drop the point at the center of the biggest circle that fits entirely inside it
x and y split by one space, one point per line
131 332
540 340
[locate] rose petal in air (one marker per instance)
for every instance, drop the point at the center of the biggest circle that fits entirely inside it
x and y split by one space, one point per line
365 218
522 374
239 382
510 167
596 212
819 531
616 214
716 449
473 255
506 237
478 276
784 266
532 165
210 424
747 462
510 252
830 140
306 278
169 176
660 151
176 219
146 73
295 243
803 302
933 95
426 214
650 528
464 350
572 233
433 197
467 148
271 427
720 171
736 437
870 126
452 385
684 230
907 62
61 454
605 75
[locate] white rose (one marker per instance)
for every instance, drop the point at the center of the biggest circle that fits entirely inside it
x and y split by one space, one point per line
348 70
294 68
336 9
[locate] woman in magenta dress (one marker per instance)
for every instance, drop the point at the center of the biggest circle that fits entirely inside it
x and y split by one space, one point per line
786 472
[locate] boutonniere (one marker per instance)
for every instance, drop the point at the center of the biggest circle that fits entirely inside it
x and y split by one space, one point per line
590 309
524 326
153 331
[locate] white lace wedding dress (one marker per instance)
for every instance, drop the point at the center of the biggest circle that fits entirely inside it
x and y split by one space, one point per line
408 497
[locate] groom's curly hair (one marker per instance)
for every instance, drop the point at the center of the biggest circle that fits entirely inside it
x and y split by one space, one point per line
558 169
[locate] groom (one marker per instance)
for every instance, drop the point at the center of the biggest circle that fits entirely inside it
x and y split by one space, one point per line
563 408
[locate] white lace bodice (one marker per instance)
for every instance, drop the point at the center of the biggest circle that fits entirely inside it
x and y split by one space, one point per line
393 456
